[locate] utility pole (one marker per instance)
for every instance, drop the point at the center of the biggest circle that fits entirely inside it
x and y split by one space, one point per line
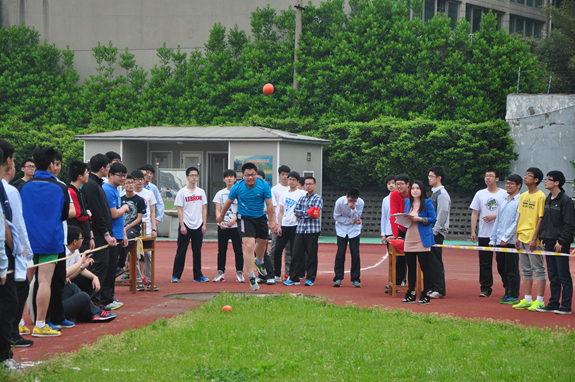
298 21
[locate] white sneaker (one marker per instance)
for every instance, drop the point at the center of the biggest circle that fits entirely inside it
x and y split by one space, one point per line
114 305
240 277
436 295
10 365
219 278
270 281
278 279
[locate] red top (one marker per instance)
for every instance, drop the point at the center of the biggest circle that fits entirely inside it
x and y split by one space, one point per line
77 206
396 206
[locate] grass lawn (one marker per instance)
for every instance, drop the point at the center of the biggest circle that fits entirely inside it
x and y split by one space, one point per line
290 338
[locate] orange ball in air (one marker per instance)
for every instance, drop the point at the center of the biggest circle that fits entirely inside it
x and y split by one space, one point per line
227 308
268 89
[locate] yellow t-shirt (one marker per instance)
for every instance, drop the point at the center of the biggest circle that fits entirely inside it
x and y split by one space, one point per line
531 208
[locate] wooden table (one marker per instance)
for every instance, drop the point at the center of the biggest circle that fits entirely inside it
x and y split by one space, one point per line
393 253
149 245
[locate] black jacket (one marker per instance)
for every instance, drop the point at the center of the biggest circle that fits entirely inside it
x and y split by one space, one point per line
97 202
558 221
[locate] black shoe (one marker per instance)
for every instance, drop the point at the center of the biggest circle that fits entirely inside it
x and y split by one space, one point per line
119 272
409 297
423 300
387 289
21 342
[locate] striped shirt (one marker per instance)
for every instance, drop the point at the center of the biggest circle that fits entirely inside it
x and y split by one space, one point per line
306 223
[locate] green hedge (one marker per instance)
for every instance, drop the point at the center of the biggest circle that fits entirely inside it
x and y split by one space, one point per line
363 153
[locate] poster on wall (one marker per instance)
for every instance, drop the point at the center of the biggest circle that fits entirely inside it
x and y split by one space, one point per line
264 163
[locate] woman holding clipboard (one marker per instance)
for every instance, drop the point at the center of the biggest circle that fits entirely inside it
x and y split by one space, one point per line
418 240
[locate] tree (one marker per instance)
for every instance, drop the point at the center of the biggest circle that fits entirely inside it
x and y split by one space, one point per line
557 51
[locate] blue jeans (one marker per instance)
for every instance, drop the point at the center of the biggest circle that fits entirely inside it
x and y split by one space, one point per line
560 281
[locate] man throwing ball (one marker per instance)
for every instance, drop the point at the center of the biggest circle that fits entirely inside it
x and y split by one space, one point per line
253 195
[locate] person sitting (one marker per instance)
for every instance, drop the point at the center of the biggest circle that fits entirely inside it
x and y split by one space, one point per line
78 305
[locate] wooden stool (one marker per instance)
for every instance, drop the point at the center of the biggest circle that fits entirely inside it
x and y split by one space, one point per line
393 253
149 244
131 280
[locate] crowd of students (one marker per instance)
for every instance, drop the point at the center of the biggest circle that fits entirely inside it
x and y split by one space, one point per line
46 221
48 224
530 221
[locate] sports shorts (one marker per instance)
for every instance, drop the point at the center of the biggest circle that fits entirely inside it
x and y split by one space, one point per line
253 227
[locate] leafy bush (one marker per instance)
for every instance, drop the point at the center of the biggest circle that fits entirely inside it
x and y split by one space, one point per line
363 153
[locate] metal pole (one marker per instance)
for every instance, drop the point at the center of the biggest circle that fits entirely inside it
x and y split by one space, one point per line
549 86
518 78
298 22
158 175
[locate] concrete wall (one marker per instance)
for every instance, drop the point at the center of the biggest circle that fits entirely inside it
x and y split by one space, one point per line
543 126
140 25
94 147
294 154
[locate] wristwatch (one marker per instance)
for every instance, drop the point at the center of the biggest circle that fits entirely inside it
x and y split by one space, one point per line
92 238
82 267
155 230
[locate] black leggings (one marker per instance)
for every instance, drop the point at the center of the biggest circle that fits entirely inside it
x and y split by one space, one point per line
411 260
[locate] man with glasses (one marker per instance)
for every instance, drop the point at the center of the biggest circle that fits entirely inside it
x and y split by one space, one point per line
116 178
132 219
149 219
556 234
252 194
442 204
397 206
28 168
503 235
484 205
191 202
287 224
530 209
307 210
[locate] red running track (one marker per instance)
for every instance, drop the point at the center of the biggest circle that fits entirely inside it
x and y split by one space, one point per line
461 269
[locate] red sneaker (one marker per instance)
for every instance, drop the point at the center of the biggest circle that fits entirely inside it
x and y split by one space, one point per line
285 277
104 316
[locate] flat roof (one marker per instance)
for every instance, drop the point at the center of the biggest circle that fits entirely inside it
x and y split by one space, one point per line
201 133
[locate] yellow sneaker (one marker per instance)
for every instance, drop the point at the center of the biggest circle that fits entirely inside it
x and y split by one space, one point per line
536 304
46 331
23 330
523 304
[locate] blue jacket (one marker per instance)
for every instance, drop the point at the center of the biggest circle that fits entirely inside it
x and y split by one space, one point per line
425 231
45 205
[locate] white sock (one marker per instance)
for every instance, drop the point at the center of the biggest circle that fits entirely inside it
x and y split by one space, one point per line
528 298
540 299
40 324
21 323
251 274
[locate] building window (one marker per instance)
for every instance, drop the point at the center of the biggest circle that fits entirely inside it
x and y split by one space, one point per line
428 10
452 11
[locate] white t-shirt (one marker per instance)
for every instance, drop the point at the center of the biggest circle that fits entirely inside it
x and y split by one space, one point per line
73 260
289 200
277 192
487 203
221 197
192 206
150 200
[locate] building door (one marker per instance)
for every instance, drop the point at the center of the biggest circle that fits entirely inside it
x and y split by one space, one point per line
160 159
193 159
218 164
